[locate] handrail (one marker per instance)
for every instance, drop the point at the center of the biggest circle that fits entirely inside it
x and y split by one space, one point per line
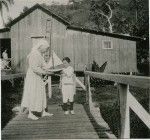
127 100
12 76
137 81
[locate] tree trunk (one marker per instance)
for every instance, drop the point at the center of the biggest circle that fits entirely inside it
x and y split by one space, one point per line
110 26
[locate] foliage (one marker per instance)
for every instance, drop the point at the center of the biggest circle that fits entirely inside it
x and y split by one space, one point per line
92 14
108 99
25 8
96 82
9 20
5 4
101 12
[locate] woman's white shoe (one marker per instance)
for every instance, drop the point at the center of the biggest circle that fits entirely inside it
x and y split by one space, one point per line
46 114
66 112
33 117
72 112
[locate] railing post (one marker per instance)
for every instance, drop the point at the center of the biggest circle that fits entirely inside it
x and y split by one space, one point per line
124 111
87 88
86 85
148 90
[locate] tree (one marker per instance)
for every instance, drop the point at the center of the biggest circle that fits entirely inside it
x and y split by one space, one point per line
4 4
9 20
102 12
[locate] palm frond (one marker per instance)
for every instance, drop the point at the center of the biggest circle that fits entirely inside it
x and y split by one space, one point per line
9 1
5 4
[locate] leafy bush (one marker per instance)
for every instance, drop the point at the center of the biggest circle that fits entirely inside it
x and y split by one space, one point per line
96 82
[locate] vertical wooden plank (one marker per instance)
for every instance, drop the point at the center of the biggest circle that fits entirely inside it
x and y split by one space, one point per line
5 35
120 54
84 51
87 88
100 57
116 46
124 111
132 62
113 60
90 52
148 91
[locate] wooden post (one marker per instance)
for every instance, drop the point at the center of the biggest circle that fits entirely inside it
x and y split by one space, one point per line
91 106
87 89
148 91
86 80
124 111
85 68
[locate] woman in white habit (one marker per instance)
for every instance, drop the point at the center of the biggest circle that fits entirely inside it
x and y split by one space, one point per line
34 94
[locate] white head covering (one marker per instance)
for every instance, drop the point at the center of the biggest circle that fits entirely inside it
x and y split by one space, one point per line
41 43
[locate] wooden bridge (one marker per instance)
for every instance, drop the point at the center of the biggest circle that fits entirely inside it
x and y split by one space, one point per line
88 122
60 126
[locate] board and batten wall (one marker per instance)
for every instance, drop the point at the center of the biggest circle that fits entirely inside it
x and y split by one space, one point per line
22 32
84 48
81 47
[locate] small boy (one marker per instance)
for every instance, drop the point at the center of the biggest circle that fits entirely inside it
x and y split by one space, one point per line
68 86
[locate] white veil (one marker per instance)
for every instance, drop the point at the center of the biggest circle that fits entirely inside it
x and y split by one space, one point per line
41 42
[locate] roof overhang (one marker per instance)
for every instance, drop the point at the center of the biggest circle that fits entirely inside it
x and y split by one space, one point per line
132 38
4 30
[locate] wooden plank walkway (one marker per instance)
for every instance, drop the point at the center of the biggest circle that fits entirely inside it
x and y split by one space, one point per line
59 126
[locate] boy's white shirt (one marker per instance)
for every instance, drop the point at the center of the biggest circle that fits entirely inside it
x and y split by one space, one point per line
68 75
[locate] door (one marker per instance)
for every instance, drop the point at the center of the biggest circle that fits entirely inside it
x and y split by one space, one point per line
5 44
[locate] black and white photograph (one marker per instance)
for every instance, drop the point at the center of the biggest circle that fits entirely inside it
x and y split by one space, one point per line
74 69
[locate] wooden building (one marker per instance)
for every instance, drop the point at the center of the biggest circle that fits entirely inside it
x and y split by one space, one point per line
83 46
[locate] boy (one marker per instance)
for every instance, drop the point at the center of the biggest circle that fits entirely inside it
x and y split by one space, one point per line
68 86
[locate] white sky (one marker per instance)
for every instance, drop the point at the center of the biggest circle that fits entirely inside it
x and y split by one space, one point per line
19 4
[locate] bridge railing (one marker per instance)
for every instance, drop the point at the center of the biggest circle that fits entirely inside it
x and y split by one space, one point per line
12 77
127 100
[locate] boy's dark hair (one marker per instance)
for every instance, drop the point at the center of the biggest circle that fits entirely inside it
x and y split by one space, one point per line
66 59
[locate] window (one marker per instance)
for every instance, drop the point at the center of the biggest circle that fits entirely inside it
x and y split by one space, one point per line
107 44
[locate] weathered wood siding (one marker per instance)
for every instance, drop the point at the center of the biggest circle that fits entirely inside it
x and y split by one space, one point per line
4 35
31 26
82 48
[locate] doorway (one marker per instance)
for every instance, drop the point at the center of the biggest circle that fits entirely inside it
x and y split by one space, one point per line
5 44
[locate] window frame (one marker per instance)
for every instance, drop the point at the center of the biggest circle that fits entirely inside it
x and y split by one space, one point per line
103 47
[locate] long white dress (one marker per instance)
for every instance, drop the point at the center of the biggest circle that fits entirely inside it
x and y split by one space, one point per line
34 95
